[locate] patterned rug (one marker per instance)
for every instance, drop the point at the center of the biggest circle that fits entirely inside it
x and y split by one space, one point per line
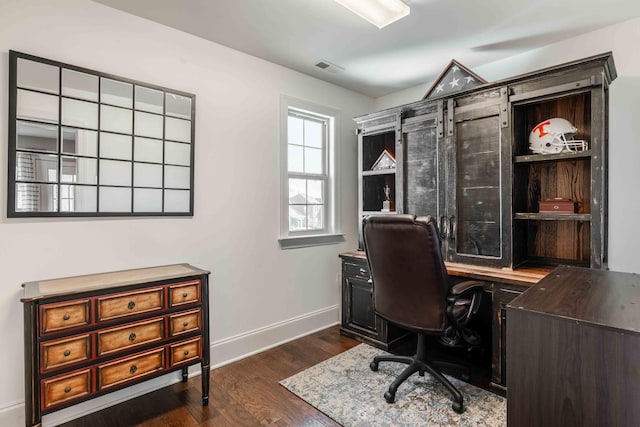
345 389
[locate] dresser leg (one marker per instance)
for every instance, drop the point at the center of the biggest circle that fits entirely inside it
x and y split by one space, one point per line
185 374
205 384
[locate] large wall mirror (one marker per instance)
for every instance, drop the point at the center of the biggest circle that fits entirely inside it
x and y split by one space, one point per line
85 143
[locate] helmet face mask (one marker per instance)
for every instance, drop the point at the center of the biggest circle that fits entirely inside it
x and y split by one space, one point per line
555 136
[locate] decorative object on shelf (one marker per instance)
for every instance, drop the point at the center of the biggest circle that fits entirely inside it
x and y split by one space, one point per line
555 136
387 205
454 78
385 161
558 205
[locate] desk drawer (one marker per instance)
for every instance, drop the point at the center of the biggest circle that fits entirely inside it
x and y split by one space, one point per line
66 351
63 388
59 316
182 323
185 351
129 336
130 303
184 293
138 366
355 270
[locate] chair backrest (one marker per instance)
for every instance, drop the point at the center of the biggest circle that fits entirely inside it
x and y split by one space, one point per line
410 281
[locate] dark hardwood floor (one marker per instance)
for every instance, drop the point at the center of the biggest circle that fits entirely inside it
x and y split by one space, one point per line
244 393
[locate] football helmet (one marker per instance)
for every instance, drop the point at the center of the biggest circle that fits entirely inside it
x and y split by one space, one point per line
555 136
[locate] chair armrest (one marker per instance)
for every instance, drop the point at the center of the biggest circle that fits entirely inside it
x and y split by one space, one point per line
463 287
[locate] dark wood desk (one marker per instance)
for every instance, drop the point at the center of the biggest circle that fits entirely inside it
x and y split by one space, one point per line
573 350
501 284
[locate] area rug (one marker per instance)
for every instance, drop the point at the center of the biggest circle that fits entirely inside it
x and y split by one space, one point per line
345 389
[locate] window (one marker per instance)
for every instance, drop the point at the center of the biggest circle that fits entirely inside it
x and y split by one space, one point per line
308 174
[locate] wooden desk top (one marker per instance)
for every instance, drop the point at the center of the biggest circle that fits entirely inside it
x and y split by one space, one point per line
522 276
599 297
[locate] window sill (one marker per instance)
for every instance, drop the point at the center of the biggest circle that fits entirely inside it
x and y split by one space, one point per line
310 240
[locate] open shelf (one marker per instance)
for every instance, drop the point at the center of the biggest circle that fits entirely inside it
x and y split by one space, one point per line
390 171
552 216
549 238
530 158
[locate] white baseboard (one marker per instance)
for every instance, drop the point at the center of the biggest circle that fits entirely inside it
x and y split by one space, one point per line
223 352
238 347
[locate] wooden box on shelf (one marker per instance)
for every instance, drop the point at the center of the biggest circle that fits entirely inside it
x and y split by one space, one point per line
557 205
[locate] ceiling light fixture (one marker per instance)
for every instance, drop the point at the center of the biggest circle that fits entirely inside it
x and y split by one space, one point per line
379 12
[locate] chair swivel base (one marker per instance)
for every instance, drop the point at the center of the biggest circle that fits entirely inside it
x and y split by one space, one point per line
418 364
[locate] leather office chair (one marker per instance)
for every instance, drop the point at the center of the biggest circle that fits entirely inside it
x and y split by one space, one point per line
411 289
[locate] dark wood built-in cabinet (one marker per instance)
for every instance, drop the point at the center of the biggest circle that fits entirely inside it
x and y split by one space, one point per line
358 317
89 335
465 160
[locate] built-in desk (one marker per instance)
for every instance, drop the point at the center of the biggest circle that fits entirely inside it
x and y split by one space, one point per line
573 346
502 285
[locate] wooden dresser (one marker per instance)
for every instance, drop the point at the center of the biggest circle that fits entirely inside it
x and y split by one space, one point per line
89 335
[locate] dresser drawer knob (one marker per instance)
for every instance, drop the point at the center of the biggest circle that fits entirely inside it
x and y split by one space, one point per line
67 389
133 369
131 305
184 295
186 352
67 353
185 324
66 317
132 336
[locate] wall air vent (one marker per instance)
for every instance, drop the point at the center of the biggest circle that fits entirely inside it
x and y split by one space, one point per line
325 65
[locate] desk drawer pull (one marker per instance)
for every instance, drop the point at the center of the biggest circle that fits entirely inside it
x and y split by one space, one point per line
133 369
66 317
363 272
67 353
186 352
67 389
132 336
131 305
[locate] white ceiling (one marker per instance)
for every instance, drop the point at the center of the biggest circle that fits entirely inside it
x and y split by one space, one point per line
412 51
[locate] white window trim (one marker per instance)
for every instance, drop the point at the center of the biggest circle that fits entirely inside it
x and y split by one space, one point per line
331 234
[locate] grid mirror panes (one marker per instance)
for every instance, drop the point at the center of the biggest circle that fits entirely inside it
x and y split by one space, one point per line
84 143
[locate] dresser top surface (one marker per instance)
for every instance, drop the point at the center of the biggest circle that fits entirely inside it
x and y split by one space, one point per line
70 285
599 297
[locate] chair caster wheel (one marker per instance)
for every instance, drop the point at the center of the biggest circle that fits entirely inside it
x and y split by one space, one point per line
373 366
390 398
457 407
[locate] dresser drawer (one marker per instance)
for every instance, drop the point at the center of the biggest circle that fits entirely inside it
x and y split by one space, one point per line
63 388
182 323
130 303
129 336
59 316
185 351
138 366
184 293
58 353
